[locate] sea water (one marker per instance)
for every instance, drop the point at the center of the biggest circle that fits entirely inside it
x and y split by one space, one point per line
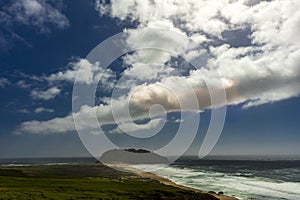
244 179
45 161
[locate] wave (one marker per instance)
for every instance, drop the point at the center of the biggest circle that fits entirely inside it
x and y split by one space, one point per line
242 186
14 165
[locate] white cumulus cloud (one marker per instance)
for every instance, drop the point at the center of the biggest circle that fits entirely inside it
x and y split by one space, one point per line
89 73
37 13
4 82
263 71
41 109
47 94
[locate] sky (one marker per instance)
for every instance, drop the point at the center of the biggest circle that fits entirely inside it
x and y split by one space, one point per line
184 60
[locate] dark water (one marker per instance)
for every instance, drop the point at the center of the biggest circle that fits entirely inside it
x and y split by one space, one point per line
287 170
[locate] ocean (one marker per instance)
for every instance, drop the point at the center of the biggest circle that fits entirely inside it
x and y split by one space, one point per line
45 161
264 178
245 178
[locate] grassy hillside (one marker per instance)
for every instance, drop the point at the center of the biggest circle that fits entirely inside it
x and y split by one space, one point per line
84 182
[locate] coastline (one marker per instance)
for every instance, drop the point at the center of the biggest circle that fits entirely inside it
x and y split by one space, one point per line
95 176
87 181
165 181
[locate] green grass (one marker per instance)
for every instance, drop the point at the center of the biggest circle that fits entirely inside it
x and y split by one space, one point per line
55 182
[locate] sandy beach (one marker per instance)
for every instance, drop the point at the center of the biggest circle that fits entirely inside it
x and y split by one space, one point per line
139 172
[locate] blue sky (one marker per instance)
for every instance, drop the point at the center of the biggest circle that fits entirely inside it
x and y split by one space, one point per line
43 44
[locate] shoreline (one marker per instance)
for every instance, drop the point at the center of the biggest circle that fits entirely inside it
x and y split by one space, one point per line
89 181
94 170
165 181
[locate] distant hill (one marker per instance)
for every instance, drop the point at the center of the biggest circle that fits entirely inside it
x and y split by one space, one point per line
137 150
132 156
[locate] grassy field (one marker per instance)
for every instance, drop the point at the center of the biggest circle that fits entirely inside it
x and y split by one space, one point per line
84 182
